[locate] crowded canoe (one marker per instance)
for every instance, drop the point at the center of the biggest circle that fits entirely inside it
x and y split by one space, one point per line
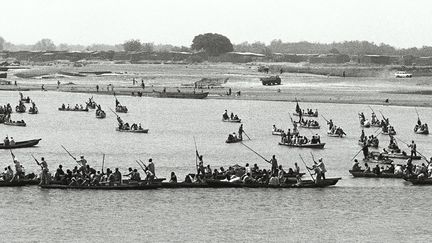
20 108
310 124
363 121
302 141
100 114
301 113
120 108
232 118
24 99
91 104
370 141
75 108
33 109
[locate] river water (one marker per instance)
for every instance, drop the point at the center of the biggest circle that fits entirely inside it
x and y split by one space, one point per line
353 210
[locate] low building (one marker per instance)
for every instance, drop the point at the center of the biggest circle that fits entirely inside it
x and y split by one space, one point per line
330 58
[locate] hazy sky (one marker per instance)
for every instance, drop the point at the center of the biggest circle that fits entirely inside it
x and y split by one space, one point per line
399 23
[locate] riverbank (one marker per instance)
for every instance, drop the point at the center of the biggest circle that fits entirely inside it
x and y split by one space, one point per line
311 88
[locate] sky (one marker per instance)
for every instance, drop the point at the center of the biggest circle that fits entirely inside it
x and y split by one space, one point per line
400 23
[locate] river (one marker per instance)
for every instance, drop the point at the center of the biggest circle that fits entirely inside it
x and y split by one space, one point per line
355 209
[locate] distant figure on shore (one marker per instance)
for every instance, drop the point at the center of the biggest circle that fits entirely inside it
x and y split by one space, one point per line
133 81
15 83
229 92
142 84
43 87
387 101
97 87
343 74
238 93
58 84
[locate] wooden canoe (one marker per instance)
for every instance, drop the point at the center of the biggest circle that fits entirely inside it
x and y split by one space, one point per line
181 95
14 123
309 127
231 120
21 144
416 181
18 183
104 187
400 156
121 109
303 184
66 109
308 145
306 115
234 140
133 131
361 173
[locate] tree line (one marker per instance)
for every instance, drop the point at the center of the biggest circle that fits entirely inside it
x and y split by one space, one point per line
214 44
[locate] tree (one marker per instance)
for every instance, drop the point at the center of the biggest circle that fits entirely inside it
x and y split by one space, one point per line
334 51
132 45
212 44
44 45
2 41
147 47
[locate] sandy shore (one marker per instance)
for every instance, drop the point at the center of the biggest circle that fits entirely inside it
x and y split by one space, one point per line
244 78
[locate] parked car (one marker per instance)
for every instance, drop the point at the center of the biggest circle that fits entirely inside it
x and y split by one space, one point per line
403 74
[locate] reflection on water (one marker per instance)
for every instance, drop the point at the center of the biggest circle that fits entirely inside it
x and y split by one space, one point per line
355 209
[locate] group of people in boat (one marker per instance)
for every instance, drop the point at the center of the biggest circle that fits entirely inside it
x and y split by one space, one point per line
371 141
6 109
408 170
125 126
81 175
8 119
232 116
333 129
296 139
232 137
308 123
75 108
309 112
24 99
276 175
421 127
99 111
8 141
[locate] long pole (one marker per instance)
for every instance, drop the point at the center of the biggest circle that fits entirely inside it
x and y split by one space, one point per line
37 162
113 112
140 166
307 168
246 135
70 154
196 154
262 157
418 116
324 118
103 162
424 157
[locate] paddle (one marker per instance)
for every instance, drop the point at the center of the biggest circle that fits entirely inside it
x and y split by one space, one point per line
313 158
256 153
307 168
